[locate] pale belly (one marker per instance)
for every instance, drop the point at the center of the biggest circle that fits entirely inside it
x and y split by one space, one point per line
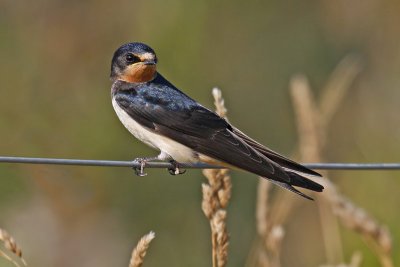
166 145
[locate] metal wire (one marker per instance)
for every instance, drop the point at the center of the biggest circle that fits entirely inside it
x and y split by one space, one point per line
115 163
101 163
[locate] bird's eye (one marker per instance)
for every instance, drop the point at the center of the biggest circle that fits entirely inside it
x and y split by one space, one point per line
130 58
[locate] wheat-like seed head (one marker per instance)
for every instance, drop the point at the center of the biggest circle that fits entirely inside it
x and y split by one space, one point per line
219 102
218 226
11 245
216 195
139 252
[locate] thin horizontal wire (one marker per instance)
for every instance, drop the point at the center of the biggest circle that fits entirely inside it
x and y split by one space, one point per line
115 163
101 163
353 166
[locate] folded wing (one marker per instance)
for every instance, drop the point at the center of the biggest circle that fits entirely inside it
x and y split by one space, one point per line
208 134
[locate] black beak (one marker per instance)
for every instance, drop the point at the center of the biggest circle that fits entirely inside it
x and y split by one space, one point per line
152 62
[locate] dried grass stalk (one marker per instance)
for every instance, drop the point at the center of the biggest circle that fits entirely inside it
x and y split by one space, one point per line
337 86
312 121
262 210
357 219
216 196
269 230
11 245
139 252
219 102
355 261
311 136
312 124
218 226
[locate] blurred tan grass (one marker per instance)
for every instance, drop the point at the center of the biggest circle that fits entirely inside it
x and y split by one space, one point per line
312 121
139 252
11 245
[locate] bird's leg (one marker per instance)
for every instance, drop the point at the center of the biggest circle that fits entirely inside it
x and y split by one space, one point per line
175 169
139 171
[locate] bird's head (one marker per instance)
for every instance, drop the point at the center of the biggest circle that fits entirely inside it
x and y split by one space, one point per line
134 63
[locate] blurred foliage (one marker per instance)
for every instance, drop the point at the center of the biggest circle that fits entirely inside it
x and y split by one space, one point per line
55 61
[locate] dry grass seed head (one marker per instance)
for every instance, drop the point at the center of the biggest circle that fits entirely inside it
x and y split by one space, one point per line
139 252
216 195
208 204
219 228
219 102
10 244
218 192
357 219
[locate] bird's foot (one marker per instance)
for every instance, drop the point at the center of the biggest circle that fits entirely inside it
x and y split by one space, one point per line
139 171
175 169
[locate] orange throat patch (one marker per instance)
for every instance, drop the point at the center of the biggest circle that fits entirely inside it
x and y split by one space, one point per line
139 73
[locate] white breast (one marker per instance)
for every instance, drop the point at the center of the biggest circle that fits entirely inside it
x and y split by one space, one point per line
166 145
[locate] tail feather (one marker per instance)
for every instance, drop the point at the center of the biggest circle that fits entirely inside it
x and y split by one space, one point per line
274 156
290 188
300 181
289 164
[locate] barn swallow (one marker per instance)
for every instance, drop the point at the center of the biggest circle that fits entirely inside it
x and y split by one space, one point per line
165 118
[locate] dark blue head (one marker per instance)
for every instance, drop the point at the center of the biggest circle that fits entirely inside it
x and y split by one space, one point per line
134 62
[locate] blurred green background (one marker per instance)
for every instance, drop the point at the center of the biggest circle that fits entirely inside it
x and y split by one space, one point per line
54 66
